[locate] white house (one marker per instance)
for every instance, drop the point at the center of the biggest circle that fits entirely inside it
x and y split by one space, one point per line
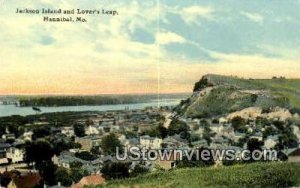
8 136
91 130
122 138
238 136
68 131
223 120
296 131
271 141
15 155
28 136
216 128
150 142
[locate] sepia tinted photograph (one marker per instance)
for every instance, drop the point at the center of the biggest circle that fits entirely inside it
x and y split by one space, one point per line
146 94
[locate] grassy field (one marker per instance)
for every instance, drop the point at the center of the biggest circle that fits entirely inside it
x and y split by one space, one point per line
249 175
289 88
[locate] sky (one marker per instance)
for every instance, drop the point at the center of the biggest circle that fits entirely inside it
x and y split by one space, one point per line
151 46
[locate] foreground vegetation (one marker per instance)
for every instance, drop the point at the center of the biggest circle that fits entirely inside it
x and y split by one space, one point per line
247 175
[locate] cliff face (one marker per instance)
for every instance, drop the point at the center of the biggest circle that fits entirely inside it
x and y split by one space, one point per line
216 95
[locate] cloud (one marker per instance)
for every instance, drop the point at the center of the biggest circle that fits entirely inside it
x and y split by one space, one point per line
279 51
256 66
193 13
169 37
255 17
87 58
119 54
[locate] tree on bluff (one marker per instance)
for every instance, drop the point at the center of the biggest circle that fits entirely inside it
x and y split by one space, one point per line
203 83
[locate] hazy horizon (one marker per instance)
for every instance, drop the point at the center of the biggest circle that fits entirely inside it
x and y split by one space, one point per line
153 93
109 94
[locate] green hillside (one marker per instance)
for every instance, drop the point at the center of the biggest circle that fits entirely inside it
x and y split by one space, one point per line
249 175
289 88
228 94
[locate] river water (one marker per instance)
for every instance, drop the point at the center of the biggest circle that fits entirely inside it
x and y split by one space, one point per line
8 110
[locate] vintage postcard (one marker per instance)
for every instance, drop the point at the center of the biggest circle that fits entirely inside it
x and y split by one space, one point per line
156 93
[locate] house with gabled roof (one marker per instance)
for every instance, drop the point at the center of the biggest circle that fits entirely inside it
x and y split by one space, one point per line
25 181
92 180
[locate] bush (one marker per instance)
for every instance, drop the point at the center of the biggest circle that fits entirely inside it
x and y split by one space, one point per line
79 130
115 170
85 155
109 144
62 175
138 170
238 123
179 127
195 162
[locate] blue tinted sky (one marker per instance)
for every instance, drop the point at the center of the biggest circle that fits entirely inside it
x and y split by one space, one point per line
153 46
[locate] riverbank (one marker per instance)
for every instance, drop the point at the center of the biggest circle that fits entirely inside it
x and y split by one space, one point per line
9 110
